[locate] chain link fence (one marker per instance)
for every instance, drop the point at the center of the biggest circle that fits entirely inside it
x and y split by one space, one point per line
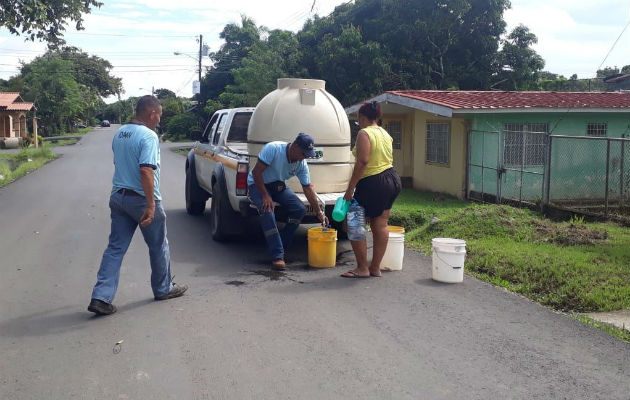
524 164
589 175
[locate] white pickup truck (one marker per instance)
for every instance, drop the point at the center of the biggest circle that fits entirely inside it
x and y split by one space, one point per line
219 162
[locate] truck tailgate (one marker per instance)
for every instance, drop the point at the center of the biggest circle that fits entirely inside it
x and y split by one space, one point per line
328 199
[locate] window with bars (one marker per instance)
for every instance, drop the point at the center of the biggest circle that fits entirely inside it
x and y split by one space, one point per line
525 144
438 142
394 128
596 129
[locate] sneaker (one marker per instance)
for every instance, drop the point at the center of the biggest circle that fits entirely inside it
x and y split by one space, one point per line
101 308
278 264
176 291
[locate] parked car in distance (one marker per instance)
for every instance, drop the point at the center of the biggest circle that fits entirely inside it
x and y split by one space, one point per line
104 123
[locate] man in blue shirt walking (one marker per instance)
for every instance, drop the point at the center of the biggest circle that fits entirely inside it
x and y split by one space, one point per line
277 162
136 200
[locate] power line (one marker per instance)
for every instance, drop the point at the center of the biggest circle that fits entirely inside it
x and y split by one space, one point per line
613 46
13 50
184 85
126 66
134 35
118 71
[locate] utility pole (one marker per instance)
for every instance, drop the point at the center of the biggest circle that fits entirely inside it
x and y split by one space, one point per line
200 49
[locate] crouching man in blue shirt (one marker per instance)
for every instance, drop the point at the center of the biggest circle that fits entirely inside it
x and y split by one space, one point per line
277 162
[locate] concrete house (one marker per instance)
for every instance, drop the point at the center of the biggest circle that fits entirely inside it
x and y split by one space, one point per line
466 142
13 112
618 82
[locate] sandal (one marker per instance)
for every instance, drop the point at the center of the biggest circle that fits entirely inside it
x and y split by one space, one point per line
278 265
352 274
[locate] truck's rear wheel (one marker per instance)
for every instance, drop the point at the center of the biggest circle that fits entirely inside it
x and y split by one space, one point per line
193 192
220 213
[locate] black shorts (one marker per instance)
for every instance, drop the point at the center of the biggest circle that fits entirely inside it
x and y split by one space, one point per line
377 193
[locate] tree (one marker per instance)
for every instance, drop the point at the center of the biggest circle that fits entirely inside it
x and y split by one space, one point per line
164 94
50 84
606 72
239 41
180 126
518 65
429 44
171 107
91 71
13 84
44 20
351 67
269 59
211 107
93 74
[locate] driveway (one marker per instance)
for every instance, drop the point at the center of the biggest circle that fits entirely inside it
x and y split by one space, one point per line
242 332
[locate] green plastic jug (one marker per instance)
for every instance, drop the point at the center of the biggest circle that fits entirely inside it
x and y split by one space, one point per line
341 209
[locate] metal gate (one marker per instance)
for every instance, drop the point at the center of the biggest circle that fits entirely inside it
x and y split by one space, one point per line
507 166
483 167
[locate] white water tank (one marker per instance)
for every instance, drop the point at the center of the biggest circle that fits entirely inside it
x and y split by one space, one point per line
303 105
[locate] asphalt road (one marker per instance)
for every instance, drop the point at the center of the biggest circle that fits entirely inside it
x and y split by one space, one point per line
241 333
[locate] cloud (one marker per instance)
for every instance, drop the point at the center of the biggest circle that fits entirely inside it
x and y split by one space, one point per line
574 36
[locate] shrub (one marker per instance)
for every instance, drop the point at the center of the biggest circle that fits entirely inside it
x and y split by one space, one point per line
180 126
25 141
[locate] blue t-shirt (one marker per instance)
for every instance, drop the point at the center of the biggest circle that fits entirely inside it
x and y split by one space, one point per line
274 155
135 146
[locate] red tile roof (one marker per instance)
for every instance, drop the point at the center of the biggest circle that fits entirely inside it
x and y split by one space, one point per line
19 107
11 101
463 99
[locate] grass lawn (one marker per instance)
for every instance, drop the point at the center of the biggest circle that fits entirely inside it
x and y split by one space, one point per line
83 131
572 266
16 165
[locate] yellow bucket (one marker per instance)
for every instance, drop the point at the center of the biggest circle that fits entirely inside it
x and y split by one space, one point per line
322 247
395 229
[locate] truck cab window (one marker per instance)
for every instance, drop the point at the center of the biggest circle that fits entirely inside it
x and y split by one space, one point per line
238 128
210 127
217 134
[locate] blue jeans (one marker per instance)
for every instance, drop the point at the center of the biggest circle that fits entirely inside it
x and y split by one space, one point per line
126 211
277 241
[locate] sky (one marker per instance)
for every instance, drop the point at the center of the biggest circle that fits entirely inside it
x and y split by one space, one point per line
140 37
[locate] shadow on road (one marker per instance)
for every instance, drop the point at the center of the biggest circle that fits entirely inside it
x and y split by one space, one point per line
192 243
58 320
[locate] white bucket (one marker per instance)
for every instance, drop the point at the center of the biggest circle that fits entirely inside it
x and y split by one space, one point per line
448 259
393 257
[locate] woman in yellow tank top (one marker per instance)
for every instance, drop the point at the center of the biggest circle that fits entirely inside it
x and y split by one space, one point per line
374 185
